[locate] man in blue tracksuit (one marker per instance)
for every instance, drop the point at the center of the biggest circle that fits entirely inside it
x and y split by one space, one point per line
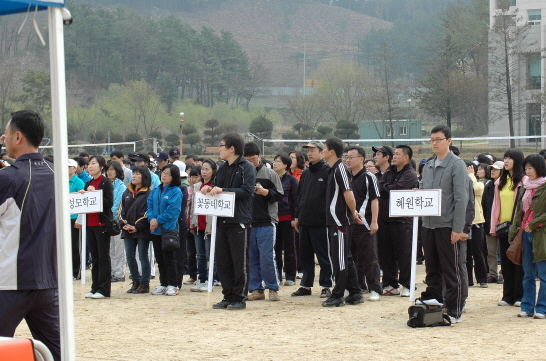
268 192
28 261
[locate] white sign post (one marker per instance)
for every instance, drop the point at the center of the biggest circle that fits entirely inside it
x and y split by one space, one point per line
415 203
219 205
88 202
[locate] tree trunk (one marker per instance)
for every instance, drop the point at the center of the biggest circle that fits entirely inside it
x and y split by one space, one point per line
509 91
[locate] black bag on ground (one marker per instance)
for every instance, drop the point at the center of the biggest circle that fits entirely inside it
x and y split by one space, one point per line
427 316
169 240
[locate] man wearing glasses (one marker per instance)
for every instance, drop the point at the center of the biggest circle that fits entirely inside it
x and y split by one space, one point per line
237 175
444 249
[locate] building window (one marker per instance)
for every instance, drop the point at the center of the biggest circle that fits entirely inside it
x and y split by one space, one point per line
513 3
535 16
534 76
534 120
403 130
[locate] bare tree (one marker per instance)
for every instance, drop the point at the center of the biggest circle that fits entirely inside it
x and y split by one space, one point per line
307 110
259 77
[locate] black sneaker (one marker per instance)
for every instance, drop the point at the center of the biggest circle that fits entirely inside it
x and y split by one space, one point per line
239 305
325 293
222 304
334 302
134 287
302 291
354 299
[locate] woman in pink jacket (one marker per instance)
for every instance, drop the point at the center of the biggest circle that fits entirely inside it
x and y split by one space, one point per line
506 190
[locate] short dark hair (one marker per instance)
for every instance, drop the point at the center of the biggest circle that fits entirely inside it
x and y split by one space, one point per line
234 140
100 160
146 176
537 162
196 171
300 159
192 156
542 152
49 158
30 124
442 128
84 154
455 150
336 145
81 161
117 168
175 174
286 160
126 161
360 150
251 149
116 153
484 158
470 163
152 154
406 149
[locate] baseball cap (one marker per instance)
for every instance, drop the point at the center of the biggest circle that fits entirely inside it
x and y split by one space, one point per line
174 152
139 156
161 157
183 174
315 144
383 149
72 163
497 165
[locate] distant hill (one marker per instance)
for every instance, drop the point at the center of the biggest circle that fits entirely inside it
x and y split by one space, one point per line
275 29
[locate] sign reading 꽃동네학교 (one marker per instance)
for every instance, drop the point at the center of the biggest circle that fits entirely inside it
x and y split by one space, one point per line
415 203
221 204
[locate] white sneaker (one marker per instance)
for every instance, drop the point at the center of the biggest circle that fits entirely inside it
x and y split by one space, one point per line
289 283
299 276
503 303
217 283
197 286
390 291
98 295
517 304
455 319
171 291
159 290
405 292
89 295
374 296
204 287
524 314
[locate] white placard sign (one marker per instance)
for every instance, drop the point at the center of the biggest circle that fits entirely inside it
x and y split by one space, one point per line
88 202
221 204
415 203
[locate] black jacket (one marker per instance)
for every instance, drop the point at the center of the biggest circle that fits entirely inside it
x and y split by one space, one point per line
392 179
133 212
183 219
107 199
311 209
487 203
289 201
242 182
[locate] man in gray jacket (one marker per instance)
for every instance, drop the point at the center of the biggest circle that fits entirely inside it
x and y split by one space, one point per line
443 237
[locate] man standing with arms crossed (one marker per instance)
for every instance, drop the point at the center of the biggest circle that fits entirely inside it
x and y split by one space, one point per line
237 175
28 261
341 215
443 240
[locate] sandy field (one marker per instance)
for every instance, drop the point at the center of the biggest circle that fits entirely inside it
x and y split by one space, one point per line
146 327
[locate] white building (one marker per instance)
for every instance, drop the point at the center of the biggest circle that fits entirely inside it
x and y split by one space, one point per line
528 66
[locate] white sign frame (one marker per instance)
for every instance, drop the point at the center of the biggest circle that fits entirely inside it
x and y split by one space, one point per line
424 202
83 199
214 204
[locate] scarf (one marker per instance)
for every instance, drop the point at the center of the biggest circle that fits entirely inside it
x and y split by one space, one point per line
530 186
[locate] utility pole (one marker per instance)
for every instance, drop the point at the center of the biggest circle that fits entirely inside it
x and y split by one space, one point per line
304 54
181 124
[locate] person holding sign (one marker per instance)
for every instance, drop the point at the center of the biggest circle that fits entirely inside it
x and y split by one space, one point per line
97 238
238 175
341 215
75 185
28 263
445 252
395 243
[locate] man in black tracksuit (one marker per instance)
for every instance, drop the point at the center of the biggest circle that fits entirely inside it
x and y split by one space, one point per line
239 176
310 222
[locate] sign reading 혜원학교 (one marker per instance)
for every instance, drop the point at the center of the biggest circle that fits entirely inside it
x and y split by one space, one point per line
415 203
221 204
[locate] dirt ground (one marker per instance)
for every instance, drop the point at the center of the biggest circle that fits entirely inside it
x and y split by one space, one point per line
146 327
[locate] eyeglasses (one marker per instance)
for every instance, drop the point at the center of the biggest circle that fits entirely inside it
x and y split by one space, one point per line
433 141
277 161
166 174
352 157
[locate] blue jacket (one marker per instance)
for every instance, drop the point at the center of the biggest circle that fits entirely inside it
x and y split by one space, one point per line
28 253
165 207
75 184
119 188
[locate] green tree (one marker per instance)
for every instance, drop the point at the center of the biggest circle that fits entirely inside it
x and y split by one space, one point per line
172 139
346 130
211 131
261 127
36 91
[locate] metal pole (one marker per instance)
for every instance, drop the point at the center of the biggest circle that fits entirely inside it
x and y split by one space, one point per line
62 211
304 55
211 260
155 145
413 258
181 124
